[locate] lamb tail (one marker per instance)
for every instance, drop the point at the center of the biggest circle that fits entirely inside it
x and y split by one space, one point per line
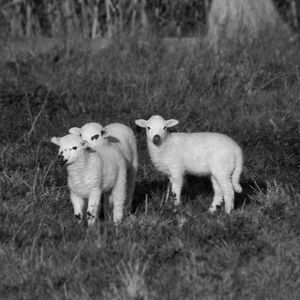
237 172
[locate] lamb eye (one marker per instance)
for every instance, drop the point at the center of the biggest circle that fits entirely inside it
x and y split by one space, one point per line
165 128
148 128
95 137
74 148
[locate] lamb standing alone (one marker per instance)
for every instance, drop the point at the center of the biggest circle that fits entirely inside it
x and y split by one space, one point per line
90 174
199 153
118 136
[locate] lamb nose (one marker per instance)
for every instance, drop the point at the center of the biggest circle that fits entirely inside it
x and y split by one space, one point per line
61 160
156 139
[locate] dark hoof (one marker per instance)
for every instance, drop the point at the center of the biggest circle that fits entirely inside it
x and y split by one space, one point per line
78 218
90 216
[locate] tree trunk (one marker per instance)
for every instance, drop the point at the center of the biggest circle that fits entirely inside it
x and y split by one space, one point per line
133 16
144 18
121 20
95 24
28 18
109 22
206 9
294 13
84 19
242 20
16 21
67 14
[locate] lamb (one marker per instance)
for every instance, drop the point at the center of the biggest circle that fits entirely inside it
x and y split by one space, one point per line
120 137
199 153
90 174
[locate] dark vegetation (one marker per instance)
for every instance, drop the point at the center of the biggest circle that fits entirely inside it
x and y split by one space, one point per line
251 94
164 17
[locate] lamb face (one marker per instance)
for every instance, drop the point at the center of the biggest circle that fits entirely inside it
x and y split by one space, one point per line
156 128
93 133
70 148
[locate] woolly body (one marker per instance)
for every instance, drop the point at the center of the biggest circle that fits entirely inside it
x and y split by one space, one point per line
201 153
92 170
90 174
118 136
127 142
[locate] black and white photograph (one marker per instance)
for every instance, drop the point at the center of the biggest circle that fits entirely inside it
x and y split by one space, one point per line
149 149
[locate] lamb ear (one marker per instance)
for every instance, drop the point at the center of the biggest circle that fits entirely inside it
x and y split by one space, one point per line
55 140
105 133
141 123
171 123
75 130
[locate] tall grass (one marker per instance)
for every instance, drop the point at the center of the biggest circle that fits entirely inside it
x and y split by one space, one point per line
250 94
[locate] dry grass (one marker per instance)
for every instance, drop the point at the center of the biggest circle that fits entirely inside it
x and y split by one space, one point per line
156 253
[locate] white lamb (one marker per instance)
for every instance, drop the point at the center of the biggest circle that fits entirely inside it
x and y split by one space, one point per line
199 153
90 174
118 136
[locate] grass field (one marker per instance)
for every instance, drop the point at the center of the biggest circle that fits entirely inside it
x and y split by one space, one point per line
251 94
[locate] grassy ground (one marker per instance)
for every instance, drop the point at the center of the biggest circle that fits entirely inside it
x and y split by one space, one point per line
251 94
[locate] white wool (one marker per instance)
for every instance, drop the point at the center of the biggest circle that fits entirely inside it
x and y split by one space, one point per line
117 136
201 153
90 174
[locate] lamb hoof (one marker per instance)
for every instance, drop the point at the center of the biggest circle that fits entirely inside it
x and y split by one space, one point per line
117 221
78 217
177 203
229 208
91 223
174 198
212 209
90 219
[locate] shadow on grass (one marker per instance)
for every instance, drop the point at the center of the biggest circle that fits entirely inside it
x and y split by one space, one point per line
147 187
250 188
192 188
